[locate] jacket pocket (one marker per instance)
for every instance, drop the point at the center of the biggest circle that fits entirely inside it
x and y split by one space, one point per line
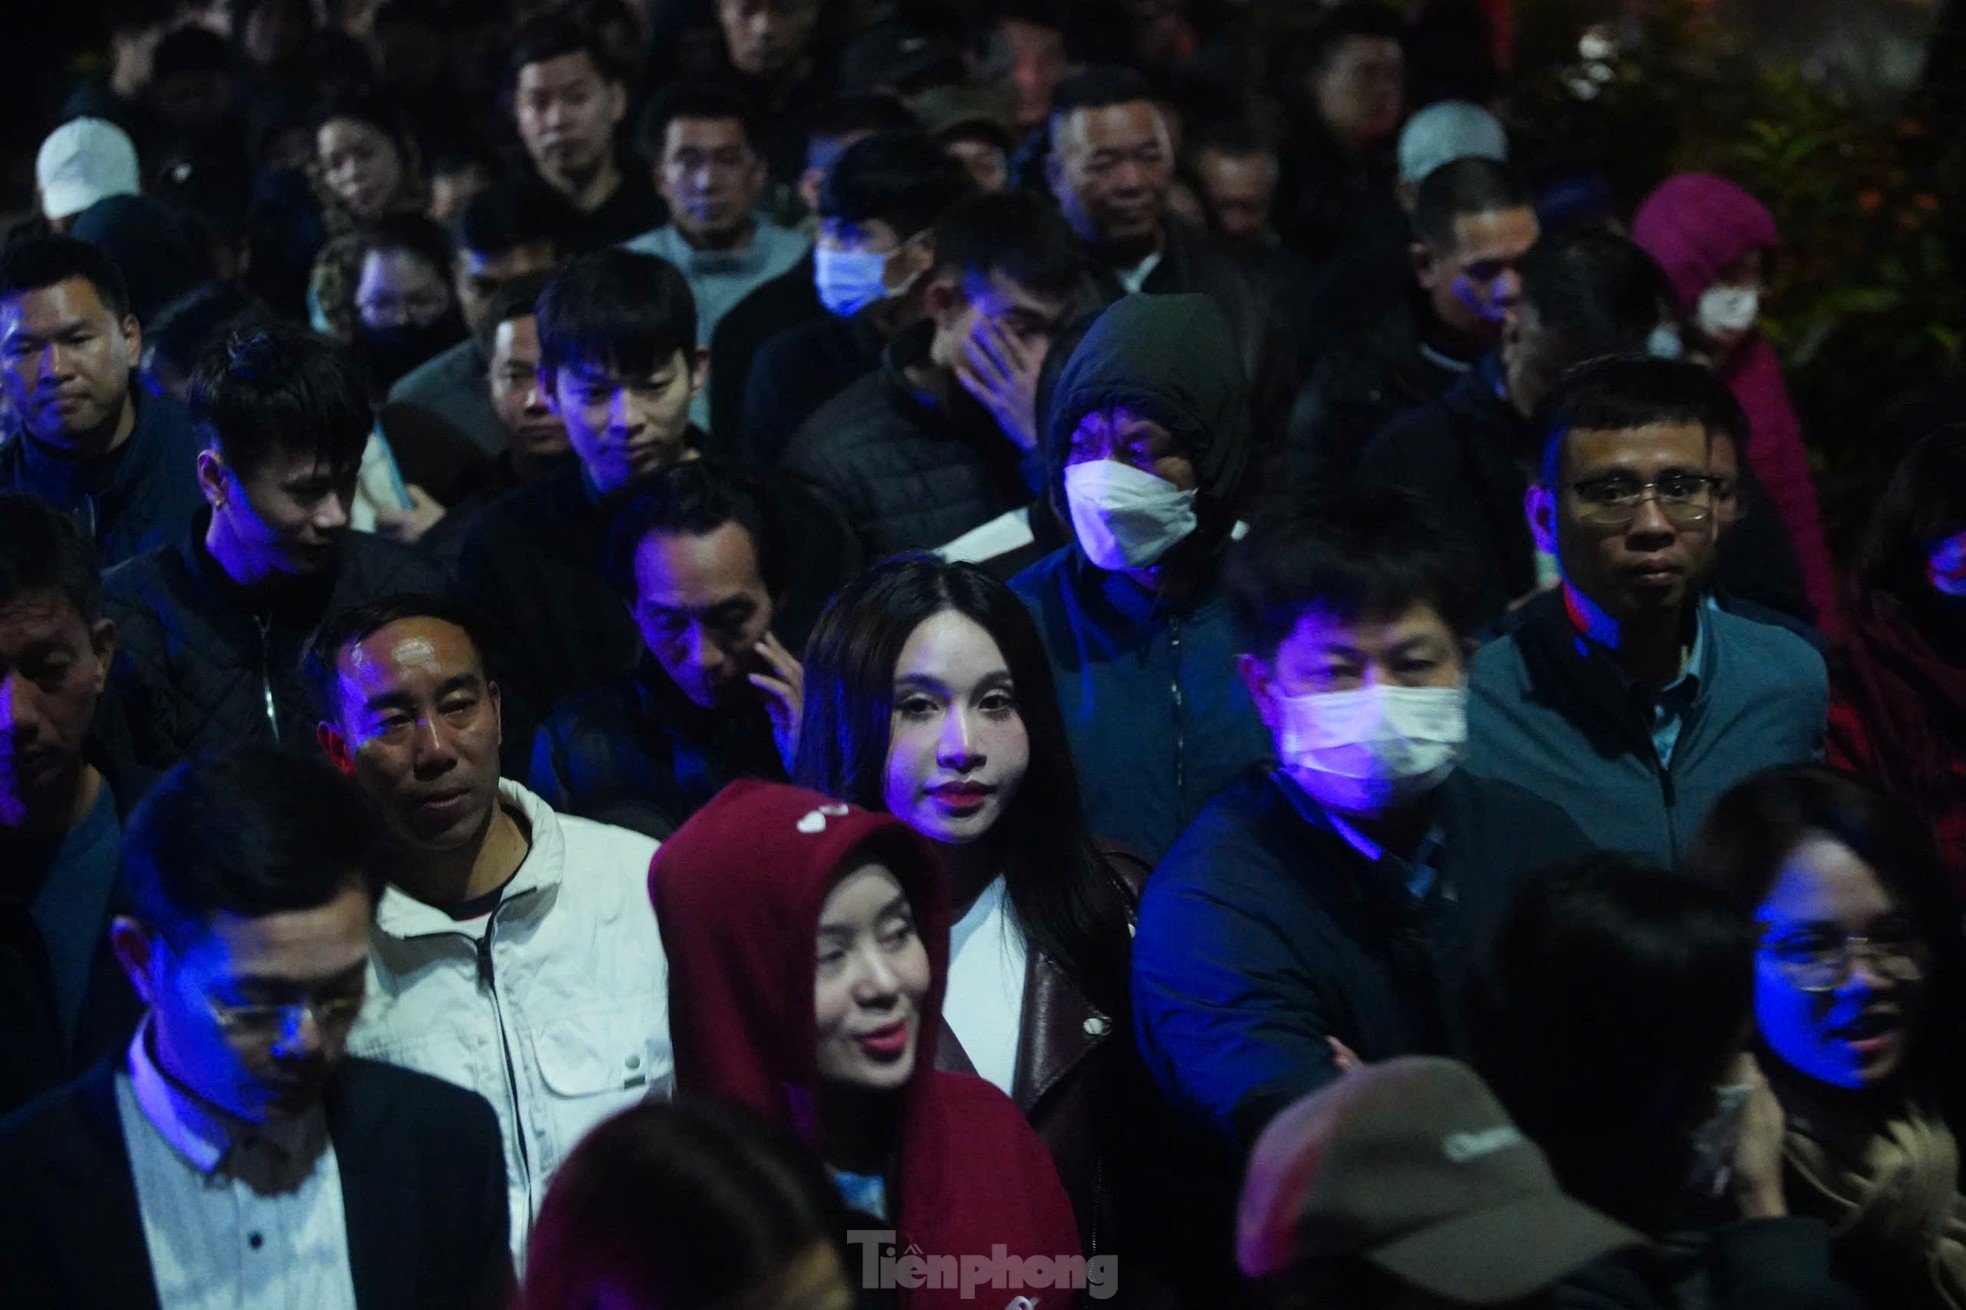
622 1049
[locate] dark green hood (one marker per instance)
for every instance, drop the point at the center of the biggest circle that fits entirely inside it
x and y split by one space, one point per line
1172 359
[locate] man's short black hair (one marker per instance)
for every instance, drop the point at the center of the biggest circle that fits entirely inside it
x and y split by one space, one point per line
549 36
44 550
1232 138
518 298
900 178
692 499
1016 233
1619 393
619 309
1100 87
1459 189
701 100
247 831
1365 552
281 388
186 328
320 656
507 215
37 263
192 48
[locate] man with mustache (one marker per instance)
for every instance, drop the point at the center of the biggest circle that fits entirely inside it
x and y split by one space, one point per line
87 438
1623 694
234 1155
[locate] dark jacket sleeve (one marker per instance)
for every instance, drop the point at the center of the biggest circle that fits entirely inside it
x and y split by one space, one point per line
1757 1264
1229 1026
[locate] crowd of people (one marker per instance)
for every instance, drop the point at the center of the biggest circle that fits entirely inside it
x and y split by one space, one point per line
802 654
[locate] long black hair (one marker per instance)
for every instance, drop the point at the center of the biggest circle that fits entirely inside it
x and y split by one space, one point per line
1071 907
1925 500
1754 828
1617 996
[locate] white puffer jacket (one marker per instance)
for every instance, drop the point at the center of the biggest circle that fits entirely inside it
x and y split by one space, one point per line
554 1007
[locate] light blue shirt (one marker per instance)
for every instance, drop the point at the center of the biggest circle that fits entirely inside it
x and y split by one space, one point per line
1672 702
718 279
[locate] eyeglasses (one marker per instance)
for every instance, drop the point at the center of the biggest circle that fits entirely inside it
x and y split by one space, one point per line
1614 501
271 1021
1822 961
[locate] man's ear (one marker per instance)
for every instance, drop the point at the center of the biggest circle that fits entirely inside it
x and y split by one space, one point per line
131 943
1539 507
335 747
1426 269
102 644
133 335
1054 173
943 301
699 370
617 97
1256 679
214 478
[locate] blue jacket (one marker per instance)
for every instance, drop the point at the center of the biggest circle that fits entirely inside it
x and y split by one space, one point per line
1158 719
1264 932
1549 711
138 497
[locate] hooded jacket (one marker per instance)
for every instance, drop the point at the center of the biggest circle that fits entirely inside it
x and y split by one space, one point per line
1159 721
1171 359
738 893
1695 225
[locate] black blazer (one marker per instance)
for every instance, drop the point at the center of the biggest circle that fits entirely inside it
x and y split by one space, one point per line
422 1180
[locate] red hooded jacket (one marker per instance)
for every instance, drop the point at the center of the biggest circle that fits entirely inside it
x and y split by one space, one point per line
738 892
1695 225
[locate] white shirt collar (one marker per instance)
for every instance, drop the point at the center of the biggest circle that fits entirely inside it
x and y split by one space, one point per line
200 1131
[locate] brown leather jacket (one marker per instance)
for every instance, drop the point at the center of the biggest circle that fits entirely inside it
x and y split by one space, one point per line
1080 1083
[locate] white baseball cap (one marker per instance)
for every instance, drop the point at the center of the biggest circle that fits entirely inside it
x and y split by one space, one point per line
83 161
1444 132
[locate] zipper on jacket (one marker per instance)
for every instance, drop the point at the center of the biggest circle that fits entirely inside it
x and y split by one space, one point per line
488 978
1180 719
265 626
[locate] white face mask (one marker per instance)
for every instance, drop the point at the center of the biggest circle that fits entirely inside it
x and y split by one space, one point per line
1124 518
1728 311
1373 749
850 280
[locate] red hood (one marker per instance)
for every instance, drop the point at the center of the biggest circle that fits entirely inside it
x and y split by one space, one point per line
1695 224
737 892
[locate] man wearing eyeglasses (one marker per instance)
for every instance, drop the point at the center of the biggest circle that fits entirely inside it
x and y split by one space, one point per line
234 1156
1621 694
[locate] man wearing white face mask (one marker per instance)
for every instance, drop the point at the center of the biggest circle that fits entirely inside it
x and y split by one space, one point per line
1146 436
1329 909
878 202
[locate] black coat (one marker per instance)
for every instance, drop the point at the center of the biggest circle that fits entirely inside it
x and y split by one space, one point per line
907 473
795 373
135 499
422 1180
197 666
776 306
636 752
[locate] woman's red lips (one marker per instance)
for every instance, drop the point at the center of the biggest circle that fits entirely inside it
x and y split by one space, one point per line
977 790
889 1043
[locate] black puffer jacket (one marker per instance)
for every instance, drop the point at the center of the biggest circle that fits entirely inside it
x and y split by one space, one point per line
198 666
135 499
907 473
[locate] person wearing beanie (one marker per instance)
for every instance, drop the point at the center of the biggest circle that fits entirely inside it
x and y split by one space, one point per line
1405 1184
1715 243
1146 437
808 951
83 161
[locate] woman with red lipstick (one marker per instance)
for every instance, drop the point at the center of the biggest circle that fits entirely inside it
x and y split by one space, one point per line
928 695
808 951
1856 1002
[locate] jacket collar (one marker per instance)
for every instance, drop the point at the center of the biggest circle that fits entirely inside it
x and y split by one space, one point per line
303 598
403 917
1575 676
57 475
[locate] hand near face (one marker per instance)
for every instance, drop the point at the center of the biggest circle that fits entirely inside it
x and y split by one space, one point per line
1758 1152
783 691
1001 370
